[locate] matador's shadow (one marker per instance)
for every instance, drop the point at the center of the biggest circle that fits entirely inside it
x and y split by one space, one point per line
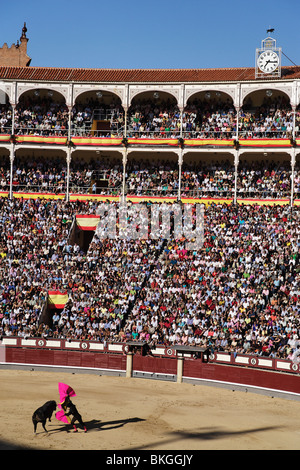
105 425
98 425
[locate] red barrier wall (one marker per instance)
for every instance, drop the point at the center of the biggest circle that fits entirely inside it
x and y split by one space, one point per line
242 376
157 365
66 358
268 373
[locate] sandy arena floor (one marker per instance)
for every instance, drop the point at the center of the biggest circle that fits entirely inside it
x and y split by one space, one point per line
139 414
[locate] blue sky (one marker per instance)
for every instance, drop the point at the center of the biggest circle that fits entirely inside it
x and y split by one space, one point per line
150 34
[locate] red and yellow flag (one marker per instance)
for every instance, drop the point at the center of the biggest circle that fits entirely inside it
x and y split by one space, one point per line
57 299
87 222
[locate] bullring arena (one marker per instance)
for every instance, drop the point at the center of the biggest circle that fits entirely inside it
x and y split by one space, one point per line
168 345
150 415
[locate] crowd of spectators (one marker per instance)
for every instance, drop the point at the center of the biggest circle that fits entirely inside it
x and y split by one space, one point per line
238 293
34 249
264 179
212 117
208 119
271 120
47 117
46 175
104 176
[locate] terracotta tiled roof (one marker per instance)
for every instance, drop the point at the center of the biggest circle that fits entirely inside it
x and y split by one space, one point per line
137 75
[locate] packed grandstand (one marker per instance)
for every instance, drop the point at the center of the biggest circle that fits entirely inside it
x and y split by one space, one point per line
60 159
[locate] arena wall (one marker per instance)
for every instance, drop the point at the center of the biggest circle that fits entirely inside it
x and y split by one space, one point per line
165 363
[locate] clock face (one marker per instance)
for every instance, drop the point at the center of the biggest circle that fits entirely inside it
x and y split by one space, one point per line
268 61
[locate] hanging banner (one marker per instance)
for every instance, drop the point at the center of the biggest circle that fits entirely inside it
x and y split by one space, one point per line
40 139
38 195
263 202
97 141
208 142
205 200
116 141
4 137
87 222
93 197
152 141
57 299
137 199
265 143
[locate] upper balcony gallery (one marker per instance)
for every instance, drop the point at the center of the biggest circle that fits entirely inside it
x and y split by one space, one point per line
214 105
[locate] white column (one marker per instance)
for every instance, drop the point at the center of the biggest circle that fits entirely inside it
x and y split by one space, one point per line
13 103
237 122
69 158
179 369
11 157
293 163
13 119
129 361
294 122
69 122
236 164
125 121
124 174
180 161
70 107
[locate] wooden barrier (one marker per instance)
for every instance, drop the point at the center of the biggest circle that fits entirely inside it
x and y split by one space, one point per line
136 359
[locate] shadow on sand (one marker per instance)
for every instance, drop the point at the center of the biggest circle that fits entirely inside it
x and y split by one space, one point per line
205 434
96 425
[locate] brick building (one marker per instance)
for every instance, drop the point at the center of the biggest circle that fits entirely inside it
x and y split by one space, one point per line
16 55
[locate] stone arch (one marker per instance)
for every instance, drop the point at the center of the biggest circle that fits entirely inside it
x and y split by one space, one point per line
21 91
95 91
212 92
101 111
4 95
265 91
153 91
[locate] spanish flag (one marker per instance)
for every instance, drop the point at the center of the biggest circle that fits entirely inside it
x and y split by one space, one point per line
87 222
93 197
38 195
57 299
265 143
205 200
40 139
137 199
5 137
208 142
152 141
98 141
263 202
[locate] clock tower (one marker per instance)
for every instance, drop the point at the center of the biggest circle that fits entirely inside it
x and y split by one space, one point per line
268 59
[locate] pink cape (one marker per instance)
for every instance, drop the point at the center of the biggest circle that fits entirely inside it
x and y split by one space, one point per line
60 415
64 391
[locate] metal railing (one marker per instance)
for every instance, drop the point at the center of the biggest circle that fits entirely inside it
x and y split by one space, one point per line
39 188
226 193
38 131
117 129
4 130
89 133
105 114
